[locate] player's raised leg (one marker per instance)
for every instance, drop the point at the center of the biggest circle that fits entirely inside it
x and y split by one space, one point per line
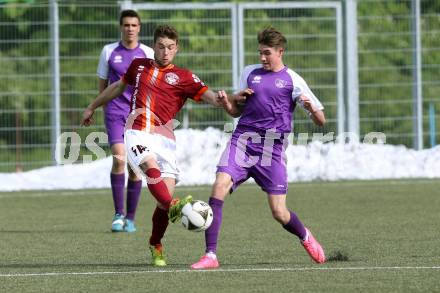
292 224
222 185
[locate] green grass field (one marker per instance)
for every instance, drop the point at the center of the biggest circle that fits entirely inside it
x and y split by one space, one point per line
379 236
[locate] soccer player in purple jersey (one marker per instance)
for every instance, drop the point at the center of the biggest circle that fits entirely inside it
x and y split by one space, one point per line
113 63
269 94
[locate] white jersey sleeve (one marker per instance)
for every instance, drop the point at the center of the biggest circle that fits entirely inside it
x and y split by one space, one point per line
102 70
300 87
149 53
242 85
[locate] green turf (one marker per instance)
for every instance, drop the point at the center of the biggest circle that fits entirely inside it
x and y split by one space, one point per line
381 236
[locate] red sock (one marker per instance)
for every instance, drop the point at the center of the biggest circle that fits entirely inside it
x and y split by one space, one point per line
158 188
160 224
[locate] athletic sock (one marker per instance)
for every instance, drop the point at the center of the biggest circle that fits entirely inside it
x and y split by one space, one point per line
118 183
295 226
160 224
133 194
211 234
211 255
157 187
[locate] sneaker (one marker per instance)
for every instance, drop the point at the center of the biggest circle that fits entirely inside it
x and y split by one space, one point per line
157 255
129 226
206 262
175 211
313 248
118 223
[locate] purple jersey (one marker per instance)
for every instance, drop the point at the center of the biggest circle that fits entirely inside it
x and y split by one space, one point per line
113 63
274 99
256 148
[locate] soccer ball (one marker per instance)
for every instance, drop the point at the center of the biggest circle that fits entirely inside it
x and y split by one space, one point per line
197 216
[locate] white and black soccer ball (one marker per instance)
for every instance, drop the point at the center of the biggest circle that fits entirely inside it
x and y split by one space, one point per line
197 216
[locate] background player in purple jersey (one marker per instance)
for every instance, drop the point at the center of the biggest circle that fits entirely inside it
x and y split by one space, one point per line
113 63
269 94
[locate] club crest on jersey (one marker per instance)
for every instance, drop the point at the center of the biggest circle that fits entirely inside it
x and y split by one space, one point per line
279 83
256 79
171 78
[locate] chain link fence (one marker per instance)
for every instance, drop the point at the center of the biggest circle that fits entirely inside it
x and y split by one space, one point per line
207 48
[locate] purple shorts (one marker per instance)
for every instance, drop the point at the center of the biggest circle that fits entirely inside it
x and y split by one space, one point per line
115 125
244 158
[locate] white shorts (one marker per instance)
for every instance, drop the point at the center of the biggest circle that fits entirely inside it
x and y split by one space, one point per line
141 146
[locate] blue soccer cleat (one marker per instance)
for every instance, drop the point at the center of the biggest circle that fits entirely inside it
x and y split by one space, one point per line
118 223
129 226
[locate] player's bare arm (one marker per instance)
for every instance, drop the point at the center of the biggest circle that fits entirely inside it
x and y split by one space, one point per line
112 91
233 104
316 115
102 84
211 97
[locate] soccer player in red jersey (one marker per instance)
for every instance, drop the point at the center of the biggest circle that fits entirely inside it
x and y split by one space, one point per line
160 89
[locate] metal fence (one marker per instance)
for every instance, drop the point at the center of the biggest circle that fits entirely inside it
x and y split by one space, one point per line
387 68
215 50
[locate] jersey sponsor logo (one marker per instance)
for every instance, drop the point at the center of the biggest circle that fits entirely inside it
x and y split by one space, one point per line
256 79
136 90
117 59
279 83
171 78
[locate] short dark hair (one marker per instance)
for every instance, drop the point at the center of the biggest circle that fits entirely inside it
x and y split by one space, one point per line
271 37
128 13
166 31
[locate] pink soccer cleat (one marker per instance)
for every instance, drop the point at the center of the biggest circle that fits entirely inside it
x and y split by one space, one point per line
313 248
206 262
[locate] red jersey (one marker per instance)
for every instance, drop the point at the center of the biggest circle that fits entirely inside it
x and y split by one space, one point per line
159 93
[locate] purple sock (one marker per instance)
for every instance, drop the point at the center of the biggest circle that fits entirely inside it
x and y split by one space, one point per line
295 226
118 185
211 234
133 194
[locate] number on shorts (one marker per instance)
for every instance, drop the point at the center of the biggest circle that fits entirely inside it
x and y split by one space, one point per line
139 148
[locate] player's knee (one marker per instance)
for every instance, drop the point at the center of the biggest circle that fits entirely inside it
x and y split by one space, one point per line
118 164
278 215
220 189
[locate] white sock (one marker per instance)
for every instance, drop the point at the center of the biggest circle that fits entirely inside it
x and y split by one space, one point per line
307 236
211 255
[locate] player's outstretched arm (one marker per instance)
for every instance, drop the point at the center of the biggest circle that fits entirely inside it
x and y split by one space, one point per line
233 104
316 115
237 102
112 91
219 99
211 98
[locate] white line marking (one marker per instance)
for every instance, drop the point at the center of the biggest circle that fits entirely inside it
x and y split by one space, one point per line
217 271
